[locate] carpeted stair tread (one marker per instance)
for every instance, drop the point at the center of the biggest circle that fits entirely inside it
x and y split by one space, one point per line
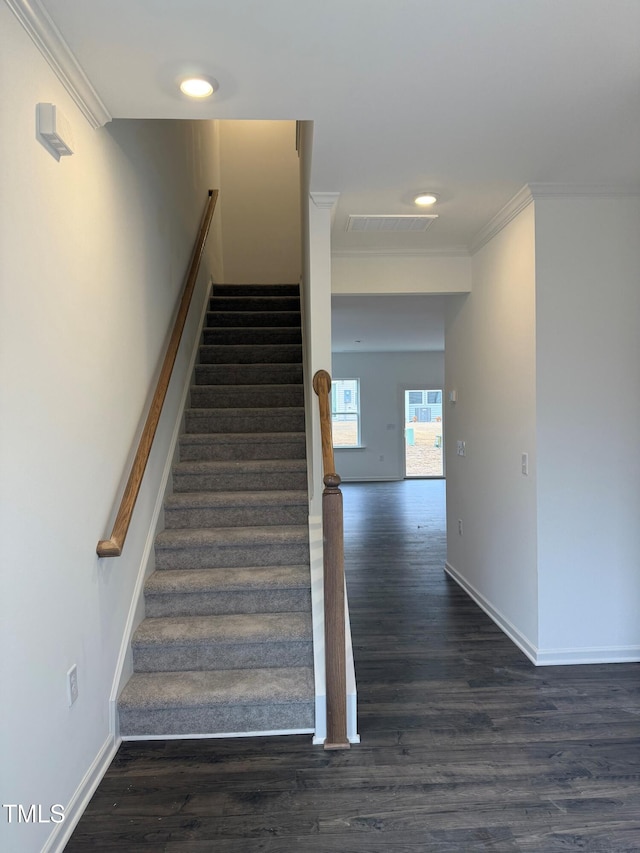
198 500
215 580
221 537
252 335
248 374
228 641
250 354
236 508
276 419
156 690
252 319
219 466
242 446
267 628
228 475
254 302
257 289
247 396
202 592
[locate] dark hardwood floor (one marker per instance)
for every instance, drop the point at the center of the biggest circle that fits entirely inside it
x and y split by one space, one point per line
466 746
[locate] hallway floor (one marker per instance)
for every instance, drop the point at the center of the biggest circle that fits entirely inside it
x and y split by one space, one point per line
466 746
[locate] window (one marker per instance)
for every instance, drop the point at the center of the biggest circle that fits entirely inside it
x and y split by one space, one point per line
345 412
434 397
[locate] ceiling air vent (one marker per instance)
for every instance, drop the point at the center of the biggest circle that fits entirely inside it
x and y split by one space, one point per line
396 224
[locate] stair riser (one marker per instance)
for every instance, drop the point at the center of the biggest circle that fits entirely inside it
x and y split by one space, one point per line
249 354
239 481
216 656
252 319
247 516
248 336
227 452
232 556
256 290
254 303
219 421
218 719
248 397
256 374
220 603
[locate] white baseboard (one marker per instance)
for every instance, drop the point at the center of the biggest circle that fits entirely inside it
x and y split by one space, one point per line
218 735
60 836
499 618
545 657
371 479
589 655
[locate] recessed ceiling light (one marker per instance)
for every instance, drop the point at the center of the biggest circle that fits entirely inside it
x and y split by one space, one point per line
198 87
425 199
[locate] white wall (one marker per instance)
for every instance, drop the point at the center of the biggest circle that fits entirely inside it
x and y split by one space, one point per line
372 273
261 202
383 378
490 362
93 250
588 411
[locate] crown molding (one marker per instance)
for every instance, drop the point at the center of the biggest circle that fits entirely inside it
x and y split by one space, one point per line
512 208
537 191
325 201
451 252
543 190
49 40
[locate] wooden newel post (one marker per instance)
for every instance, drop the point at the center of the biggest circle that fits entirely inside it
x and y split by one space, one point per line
334 638
334 608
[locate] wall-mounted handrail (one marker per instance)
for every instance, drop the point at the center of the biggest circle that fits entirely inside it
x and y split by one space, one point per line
334 604
113 547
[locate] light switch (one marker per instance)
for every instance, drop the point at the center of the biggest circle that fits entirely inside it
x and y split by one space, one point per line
525 463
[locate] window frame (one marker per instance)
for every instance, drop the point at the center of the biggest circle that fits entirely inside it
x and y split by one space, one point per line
357 411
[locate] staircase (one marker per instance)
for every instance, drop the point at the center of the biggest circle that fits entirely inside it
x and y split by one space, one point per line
226 643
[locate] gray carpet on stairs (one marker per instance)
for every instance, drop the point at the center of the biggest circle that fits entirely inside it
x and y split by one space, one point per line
226 643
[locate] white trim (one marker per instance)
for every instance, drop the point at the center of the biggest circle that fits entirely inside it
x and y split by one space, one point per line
512 208
374 479
60 836
51 44
451 252
316 570
325 200
545 657
593 655
545 190
122 671
531 192
501 621
267 733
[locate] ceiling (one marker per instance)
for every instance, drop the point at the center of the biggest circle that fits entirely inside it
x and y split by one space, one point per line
471 99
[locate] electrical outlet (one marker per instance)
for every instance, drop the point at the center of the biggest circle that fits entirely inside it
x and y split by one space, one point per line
459 527
72 685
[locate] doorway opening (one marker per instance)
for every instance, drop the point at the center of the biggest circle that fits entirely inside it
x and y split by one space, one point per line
423 433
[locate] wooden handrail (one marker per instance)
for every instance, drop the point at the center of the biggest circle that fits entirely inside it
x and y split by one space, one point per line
113 547
333 567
